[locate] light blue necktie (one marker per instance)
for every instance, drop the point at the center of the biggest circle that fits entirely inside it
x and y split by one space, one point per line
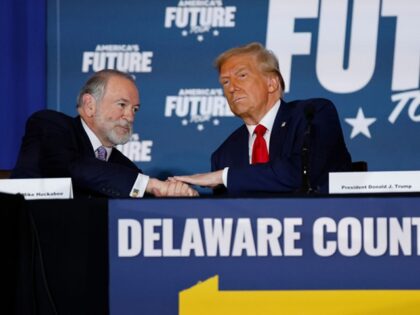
101 153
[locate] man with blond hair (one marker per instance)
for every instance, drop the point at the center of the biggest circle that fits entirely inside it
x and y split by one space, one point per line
282 146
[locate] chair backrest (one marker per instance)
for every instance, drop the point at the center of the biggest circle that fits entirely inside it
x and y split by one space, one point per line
5 174
359 166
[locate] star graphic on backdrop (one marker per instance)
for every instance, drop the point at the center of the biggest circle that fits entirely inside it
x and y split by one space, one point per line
360 124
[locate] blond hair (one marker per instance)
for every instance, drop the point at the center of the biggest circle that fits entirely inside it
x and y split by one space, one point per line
266 59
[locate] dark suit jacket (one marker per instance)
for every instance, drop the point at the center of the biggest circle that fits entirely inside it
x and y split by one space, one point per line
56 145
327 151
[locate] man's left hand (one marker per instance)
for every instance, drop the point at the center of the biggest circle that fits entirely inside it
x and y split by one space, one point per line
210 180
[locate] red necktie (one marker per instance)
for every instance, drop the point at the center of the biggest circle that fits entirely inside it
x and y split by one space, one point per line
259 150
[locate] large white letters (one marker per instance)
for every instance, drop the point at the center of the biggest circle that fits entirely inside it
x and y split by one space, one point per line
406 69
129 237
281 37
331 70
342 68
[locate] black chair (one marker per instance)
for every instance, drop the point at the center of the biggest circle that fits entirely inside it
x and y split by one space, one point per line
5 174
359 166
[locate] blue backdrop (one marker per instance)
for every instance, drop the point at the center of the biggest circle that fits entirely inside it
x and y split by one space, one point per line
22 70
363 55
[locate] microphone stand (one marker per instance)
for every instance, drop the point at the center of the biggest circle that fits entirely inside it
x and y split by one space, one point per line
306 183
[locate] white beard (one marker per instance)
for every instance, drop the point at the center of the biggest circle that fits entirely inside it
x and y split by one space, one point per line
108 129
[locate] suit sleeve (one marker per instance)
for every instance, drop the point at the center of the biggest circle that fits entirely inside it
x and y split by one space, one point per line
106 178
52 147
283 174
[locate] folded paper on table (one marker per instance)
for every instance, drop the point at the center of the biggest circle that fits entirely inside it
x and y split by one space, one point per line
374 182
39 188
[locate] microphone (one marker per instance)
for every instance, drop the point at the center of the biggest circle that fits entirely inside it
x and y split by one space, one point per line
306 183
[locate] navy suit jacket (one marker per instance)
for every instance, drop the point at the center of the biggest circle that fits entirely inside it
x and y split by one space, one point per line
327 151
56 145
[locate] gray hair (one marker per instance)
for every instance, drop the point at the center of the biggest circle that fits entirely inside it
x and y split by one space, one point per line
96 84
268 62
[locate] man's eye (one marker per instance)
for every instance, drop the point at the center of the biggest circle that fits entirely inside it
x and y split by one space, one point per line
242 75
135 109
121 104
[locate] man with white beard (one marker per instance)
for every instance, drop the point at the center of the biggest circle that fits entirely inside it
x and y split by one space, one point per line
56 145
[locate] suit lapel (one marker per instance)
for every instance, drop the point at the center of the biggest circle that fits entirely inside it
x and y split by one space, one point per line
116 156
280 129
242 147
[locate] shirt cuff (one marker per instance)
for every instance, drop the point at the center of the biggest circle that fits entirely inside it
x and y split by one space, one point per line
139 186
225 175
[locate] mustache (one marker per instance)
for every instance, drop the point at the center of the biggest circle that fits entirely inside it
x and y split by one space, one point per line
123 123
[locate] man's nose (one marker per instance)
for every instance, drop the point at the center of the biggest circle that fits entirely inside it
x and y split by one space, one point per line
233 86
129 113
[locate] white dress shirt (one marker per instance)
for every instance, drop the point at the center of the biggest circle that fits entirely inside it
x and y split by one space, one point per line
267 121
139 187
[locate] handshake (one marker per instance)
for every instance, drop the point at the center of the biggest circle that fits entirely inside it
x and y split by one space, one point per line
177 186
170 188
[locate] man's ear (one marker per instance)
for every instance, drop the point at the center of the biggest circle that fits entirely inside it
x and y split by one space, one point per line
88 105
273 83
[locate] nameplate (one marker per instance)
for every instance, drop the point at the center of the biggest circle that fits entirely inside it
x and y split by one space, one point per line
38 188
374 182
